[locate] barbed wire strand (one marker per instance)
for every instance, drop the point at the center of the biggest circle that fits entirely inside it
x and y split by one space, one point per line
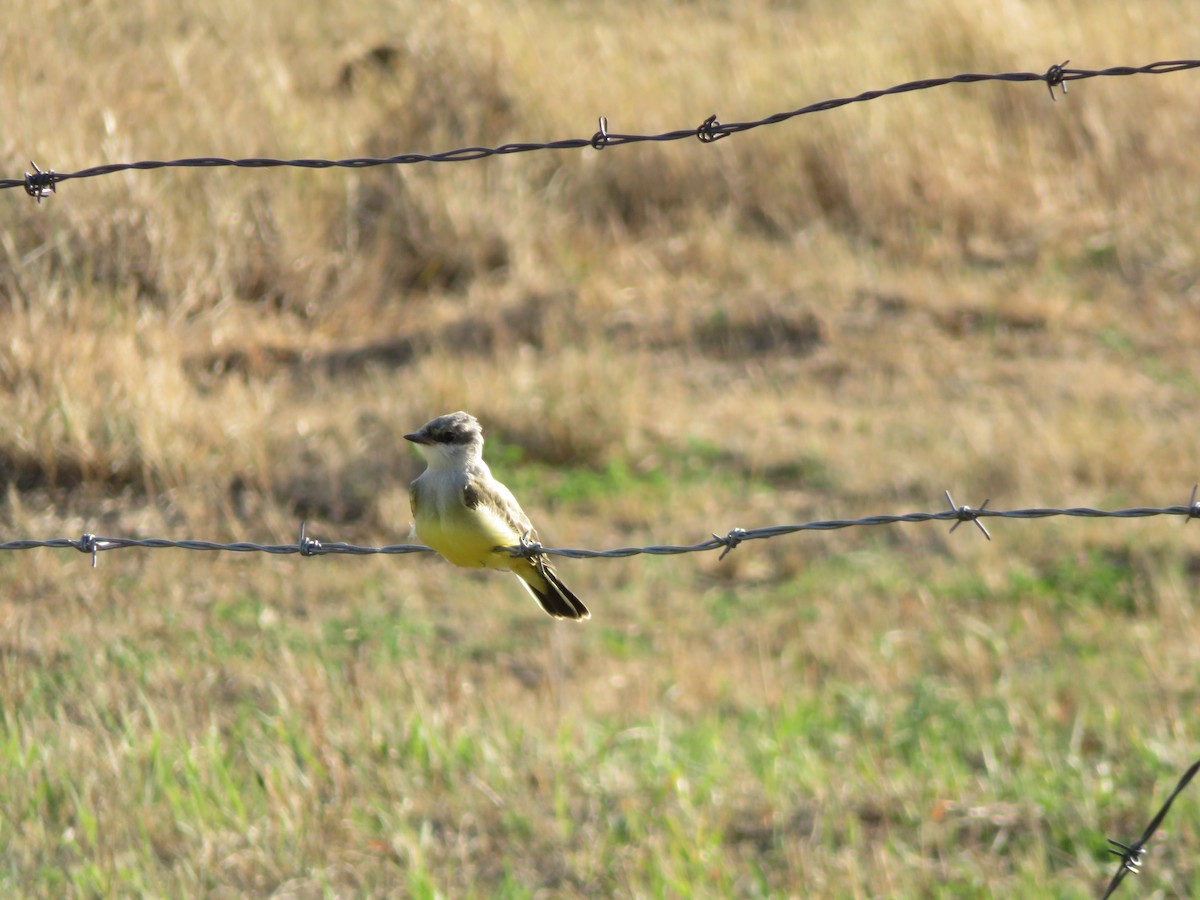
306 546
41 184
1131 854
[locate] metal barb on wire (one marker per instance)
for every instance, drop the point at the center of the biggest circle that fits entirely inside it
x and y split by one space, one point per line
528 547
1054 78
41 184
710 130
308 546
88 544
1131 854
730 541
1193 506
600 139
966 514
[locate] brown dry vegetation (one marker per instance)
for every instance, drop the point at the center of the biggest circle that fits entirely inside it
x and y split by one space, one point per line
969 288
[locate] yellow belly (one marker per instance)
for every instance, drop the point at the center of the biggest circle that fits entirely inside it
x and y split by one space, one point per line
468 537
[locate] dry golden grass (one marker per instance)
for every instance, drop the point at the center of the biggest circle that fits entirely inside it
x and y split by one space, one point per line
969 288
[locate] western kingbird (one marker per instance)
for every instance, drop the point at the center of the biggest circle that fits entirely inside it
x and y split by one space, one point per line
469 517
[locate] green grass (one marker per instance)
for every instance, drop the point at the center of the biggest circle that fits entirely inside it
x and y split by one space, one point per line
353 749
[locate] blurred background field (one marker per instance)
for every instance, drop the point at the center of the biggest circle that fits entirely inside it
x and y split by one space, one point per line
970 288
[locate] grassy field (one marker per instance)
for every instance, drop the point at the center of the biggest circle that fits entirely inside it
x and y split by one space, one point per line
970 288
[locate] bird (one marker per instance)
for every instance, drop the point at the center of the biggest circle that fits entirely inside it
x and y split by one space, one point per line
469 518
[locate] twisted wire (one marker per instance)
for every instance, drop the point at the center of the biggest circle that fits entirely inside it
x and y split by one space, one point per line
41 184
307 546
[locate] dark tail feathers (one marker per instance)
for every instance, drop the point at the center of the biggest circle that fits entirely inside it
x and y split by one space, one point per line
559 601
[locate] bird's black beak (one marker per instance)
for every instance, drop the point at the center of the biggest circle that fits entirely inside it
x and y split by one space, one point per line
417 438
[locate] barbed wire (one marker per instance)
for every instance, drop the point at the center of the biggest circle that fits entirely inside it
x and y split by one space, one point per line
1131 854
306 546
41 184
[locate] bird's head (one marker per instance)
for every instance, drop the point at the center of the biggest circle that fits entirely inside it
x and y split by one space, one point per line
449 441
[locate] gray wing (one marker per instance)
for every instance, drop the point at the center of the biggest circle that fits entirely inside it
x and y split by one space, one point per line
487 491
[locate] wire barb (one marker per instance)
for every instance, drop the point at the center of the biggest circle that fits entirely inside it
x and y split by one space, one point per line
39 184
710 130
966 514
1056 77
600 139
88 543
528 548
308 546
1193 506
730 540
1131 857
